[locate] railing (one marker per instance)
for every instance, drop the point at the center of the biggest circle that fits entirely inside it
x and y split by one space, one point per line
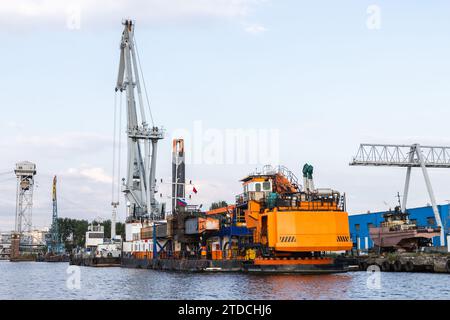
269 170
309 205
335 203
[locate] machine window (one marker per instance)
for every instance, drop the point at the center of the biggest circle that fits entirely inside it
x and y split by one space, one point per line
357 227
431 221
258 187
266 186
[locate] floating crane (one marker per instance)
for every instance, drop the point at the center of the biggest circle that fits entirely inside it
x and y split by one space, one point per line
139 186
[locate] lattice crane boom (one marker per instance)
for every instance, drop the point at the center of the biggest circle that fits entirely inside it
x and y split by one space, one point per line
401 156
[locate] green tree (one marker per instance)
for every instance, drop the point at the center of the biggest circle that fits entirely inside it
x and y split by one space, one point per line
218 204
72 232
120 228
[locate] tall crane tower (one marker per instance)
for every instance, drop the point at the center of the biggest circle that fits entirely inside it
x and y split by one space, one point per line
25 172
55 244
139 186
407 156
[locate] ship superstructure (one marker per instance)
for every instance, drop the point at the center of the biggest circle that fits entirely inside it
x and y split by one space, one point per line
290 225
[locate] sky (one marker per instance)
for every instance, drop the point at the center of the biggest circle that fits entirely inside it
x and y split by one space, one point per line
310 80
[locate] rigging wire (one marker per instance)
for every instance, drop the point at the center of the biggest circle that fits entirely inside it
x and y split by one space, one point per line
143 81
117 148
114 148
120 147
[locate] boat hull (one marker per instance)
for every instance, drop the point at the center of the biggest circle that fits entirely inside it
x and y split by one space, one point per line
407 239
301 266
96 261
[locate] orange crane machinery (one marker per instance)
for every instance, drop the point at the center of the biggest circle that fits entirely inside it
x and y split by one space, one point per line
292 229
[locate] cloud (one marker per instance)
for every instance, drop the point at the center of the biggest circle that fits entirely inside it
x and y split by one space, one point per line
14 125
22 13
95 174
254 28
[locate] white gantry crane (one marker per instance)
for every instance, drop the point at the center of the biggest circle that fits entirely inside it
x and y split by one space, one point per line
407 156
139 186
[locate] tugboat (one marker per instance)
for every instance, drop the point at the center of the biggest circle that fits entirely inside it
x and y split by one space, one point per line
398 233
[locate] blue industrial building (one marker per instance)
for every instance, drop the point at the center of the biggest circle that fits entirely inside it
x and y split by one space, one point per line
423 216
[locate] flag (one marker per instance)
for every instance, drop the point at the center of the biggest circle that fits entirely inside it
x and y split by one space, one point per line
181 203
195 190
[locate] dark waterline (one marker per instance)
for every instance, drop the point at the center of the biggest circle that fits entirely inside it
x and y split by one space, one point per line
31 280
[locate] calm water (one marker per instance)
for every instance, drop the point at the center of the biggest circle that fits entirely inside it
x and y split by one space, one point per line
31 280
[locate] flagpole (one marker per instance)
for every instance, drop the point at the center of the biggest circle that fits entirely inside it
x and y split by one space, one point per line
177 160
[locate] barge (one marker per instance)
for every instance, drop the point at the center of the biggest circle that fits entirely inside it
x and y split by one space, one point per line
274 226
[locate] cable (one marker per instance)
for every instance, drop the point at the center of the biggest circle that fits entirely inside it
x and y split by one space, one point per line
143 80
114 147
120 147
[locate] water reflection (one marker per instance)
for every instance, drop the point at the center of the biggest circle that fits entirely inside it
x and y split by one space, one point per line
30 280
305 286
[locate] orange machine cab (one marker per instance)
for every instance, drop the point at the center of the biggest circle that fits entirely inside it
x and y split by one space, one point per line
286 220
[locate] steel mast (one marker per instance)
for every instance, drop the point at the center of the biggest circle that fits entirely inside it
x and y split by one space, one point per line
142 140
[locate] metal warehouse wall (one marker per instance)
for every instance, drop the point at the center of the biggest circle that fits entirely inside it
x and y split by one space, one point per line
422 215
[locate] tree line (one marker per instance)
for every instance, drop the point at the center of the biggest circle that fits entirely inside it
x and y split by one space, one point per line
73 231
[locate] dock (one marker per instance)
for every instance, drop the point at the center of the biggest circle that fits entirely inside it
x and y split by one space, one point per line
401 262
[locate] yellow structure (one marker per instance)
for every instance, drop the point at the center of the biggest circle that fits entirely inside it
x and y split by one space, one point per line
288 222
